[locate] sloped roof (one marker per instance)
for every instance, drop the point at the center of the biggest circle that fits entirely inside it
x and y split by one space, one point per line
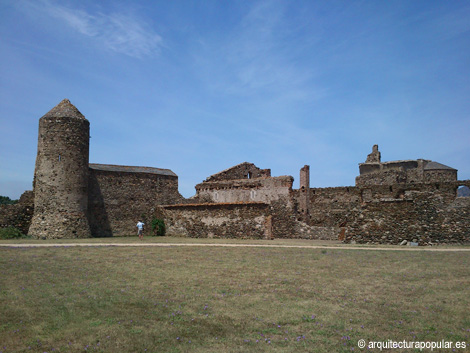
437 166
64 109
131 169
232 167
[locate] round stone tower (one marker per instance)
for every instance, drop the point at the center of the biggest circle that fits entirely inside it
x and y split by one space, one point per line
61 175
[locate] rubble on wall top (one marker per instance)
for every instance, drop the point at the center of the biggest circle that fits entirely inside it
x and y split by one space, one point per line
131 169
64 109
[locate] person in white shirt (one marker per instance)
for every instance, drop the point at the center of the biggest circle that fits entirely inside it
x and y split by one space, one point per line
140 230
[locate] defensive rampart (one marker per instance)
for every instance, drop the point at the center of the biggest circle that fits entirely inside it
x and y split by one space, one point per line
218 220
119 196
19 214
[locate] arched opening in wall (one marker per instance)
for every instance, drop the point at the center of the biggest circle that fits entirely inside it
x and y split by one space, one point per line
463 191
250 175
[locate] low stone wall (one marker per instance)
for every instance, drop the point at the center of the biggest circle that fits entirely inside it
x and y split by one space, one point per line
18 215
304 231
218 220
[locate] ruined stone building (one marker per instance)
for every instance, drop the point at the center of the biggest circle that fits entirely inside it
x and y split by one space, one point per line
414 200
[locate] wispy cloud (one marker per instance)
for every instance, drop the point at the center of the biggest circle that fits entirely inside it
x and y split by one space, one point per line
119 32
258 57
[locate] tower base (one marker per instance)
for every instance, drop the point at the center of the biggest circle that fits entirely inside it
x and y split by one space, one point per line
60 225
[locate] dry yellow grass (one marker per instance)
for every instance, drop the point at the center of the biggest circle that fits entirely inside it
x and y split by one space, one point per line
197 299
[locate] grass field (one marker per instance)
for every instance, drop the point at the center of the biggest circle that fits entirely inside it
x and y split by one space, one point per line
205 299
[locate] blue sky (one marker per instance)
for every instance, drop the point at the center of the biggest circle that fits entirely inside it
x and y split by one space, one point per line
200 86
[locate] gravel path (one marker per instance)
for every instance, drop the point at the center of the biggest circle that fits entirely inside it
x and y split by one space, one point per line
401 248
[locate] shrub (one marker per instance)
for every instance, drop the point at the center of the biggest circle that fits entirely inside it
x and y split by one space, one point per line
10 233
5 200
158 227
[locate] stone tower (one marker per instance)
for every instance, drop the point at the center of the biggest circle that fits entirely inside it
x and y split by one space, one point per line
61 175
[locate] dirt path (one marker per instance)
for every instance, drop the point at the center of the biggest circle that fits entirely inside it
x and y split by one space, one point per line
407 248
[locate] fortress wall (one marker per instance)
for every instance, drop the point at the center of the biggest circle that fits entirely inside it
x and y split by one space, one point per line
18 215
402 172
330 207
218 220
118 199
441 175
425 213
430 213
424 218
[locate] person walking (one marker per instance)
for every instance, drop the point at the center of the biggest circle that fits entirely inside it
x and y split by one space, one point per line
140 229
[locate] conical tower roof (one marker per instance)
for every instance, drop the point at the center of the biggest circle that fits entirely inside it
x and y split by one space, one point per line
64 109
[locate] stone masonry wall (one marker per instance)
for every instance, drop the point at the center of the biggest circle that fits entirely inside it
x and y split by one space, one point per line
404 172
117 200
217 220
441 175
274 191
425 213
428 213
331 207
18 215
61 175
246 190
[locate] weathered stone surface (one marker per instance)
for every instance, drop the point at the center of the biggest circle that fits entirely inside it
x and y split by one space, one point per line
374 157
392 202
218 220
375 172
18 215
74 199
61 175
424 213
119 196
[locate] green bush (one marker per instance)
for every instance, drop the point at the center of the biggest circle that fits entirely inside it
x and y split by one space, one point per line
10 233
158 227
5 200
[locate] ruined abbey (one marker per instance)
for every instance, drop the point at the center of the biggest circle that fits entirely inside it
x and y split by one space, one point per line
412 200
